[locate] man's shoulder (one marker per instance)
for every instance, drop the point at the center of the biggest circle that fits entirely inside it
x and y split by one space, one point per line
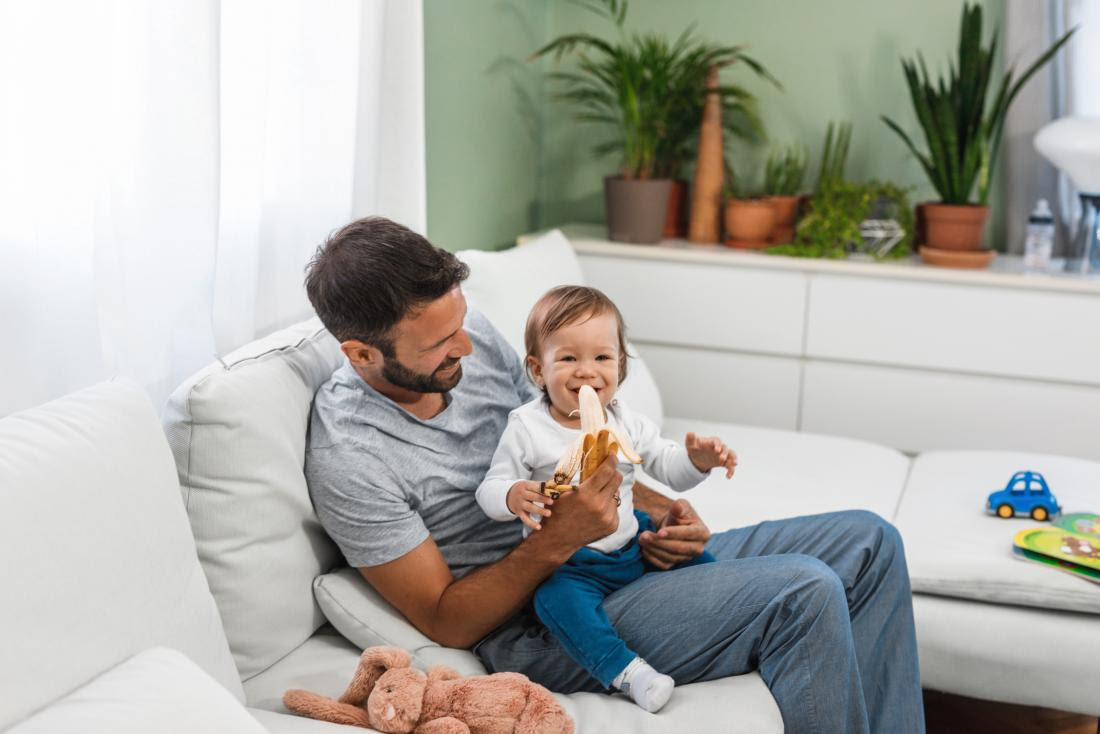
346 457
487 338
333 389
339 420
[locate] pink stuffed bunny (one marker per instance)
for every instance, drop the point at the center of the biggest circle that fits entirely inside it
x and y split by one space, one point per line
388 695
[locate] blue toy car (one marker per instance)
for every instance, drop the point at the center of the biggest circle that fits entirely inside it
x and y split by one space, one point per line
1027 494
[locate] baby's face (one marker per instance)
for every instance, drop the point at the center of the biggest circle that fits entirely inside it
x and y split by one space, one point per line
583 353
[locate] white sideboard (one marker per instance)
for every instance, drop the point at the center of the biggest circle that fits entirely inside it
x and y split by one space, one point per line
898 353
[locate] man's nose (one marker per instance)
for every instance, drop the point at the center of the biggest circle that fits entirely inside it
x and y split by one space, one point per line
463 346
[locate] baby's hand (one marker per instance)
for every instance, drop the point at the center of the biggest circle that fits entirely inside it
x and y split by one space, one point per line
708 453
521 502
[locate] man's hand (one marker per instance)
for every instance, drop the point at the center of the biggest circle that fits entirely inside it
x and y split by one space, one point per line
681 536
710 453
524 499
590 512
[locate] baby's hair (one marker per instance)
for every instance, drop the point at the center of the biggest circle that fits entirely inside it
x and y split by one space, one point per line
569 304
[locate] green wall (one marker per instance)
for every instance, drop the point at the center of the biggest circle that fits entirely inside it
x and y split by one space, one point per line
505 157
484 108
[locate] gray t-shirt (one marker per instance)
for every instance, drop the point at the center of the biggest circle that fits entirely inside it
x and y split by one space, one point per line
382 479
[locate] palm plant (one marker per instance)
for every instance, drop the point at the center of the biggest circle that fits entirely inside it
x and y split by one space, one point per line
652 91
963 133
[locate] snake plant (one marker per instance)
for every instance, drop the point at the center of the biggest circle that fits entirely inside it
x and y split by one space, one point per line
785 170
962 128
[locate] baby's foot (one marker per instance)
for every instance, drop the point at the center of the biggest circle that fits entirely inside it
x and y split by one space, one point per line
648 688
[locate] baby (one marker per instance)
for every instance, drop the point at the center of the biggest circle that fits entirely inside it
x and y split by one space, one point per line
575 336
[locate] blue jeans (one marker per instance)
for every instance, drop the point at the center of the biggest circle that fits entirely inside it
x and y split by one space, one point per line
819 605
570 603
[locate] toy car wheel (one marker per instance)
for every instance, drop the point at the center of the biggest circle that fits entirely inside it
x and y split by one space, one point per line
1039 514
1005 511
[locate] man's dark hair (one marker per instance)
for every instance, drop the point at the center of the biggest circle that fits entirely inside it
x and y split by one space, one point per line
371 274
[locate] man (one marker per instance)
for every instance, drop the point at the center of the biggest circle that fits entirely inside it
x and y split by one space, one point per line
403 433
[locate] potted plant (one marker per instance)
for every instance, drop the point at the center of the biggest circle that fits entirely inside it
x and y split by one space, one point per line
844 218
962 129
651 92
783 176
835 225
748 215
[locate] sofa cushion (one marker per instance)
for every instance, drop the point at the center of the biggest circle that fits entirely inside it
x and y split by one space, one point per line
785 474
238 431
639 390
158 690
1019 655
955 548
742 704
360 614
504 286
99 563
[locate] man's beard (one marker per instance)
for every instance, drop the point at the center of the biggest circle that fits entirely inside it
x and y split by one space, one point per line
401 376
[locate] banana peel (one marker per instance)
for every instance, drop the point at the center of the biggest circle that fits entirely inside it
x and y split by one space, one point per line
597 441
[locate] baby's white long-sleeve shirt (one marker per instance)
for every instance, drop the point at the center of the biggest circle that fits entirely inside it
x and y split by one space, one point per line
533 444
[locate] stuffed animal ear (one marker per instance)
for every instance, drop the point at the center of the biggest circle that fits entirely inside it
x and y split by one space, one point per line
373 663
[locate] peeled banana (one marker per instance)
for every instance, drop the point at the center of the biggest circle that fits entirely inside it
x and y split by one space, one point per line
597 441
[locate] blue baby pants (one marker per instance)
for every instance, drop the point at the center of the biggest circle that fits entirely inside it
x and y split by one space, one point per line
570 603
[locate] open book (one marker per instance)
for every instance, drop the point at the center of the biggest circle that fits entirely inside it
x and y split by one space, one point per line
1071 545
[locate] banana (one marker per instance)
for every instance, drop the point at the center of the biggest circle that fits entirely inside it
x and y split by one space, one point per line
597 441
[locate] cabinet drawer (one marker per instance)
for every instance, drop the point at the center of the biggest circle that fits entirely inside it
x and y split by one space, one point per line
699 305
917 411
997 331
720 386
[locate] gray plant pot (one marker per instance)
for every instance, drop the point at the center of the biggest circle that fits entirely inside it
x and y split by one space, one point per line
636 209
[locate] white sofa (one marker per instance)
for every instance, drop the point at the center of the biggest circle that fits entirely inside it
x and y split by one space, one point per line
101 566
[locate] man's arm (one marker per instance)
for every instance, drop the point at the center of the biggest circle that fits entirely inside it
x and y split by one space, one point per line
459 613
681 534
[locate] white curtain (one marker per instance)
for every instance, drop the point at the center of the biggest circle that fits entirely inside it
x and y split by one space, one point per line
1069 85
167 168
1083 65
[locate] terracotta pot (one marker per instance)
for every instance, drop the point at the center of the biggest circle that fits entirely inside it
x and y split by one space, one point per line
749 222
953 226
786 209
676 217
636 208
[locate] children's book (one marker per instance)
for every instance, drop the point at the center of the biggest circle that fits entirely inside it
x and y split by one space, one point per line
1071 545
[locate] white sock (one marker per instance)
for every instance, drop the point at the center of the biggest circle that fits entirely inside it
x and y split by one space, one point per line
648 688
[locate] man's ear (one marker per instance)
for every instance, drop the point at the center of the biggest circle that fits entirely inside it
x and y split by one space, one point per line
361 354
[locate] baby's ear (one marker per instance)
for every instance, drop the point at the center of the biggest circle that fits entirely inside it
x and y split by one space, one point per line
534 369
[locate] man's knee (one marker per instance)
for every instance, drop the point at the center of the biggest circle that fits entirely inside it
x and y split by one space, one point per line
813 585
870 529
